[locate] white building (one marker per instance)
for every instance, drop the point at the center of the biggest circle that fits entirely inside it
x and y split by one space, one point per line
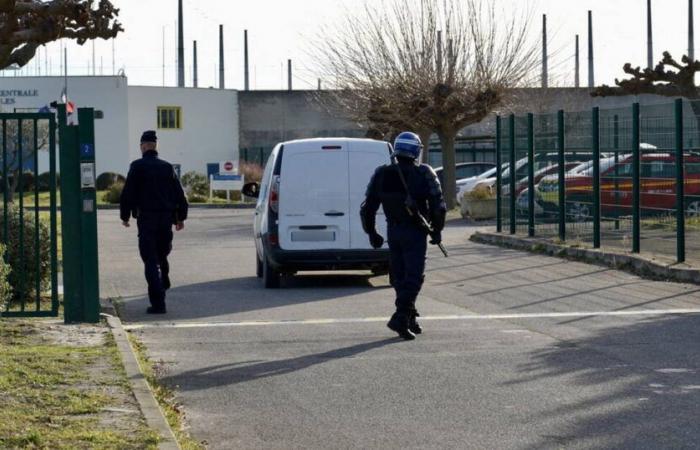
194 126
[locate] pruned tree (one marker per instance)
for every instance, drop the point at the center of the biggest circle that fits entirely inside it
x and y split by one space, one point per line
427 66
677 82
25 25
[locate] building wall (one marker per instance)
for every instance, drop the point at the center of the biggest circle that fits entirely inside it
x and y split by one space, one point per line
269 117
108 94
209 130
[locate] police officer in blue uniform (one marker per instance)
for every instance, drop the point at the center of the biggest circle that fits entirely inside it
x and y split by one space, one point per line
153 195
390 187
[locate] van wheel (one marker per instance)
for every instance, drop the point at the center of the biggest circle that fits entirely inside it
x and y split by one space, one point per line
692 208
271 277
258 266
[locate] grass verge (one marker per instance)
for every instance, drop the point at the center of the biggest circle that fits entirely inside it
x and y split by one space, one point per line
165 397
61 395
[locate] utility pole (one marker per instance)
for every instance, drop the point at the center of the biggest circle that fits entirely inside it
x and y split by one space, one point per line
650 45
180 46
545 71
577 77
591 69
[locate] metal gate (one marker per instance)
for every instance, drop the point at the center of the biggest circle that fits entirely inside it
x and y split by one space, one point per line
30 214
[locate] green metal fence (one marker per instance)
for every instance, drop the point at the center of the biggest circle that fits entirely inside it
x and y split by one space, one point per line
626 178
29 219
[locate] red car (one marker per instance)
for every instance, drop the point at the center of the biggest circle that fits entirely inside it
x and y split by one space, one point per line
657 191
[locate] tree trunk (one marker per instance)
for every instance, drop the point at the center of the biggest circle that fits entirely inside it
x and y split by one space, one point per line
425 139
449 167
13 185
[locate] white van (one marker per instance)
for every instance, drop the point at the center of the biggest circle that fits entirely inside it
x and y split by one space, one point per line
308 212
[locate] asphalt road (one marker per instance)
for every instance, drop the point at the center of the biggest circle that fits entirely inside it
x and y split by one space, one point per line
520 351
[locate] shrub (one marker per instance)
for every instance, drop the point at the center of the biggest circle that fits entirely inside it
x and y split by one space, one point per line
481 192
108 179
114 193
195 183
196 198
23 262
28 180
251 171
5 288
44 181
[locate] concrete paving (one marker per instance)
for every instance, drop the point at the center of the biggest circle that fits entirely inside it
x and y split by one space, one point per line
520 352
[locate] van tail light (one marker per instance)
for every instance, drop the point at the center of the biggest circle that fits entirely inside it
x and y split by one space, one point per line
275 195
273 239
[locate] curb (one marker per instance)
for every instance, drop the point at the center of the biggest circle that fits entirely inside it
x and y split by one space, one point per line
139 386
636 264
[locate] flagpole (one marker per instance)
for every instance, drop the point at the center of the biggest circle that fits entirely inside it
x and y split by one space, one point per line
65 76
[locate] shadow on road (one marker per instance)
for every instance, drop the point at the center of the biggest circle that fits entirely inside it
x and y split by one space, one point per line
649 390
242 372
246 294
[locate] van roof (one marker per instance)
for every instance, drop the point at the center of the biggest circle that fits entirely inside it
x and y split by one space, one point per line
322 141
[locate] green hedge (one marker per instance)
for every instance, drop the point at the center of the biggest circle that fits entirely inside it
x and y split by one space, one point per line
23 260
108 179
195 183
113 195
5 288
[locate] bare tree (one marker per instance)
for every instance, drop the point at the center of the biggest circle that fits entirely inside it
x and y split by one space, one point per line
25 25
18 156
429 66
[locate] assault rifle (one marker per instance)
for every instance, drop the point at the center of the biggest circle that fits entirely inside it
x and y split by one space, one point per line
414 212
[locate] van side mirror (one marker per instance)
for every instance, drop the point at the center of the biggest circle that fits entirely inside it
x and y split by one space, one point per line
251 190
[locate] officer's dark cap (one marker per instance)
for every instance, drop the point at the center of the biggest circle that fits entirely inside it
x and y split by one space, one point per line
149 136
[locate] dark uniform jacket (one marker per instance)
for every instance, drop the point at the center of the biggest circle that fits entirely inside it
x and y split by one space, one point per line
387 190
152 186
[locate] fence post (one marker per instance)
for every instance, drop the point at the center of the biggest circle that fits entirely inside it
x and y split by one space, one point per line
636 179
596 176
680 184
531 175
499 178
562 175
511 172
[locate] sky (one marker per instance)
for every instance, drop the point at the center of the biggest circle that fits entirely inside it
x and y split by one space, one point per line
288 29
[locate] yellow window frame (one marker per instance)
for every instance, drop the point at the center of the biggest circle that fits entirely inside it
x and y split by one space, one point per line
165 124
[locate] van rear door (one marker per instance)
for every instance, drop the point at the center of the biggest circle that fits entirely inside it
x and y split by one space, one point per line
364 157
314 205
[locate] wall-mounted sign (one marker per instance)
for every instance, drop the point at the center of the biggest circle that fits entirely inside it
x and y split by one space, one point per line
9 96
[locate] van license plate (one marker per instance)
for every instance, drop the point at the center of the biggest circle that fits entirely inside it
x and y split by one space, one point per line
313 236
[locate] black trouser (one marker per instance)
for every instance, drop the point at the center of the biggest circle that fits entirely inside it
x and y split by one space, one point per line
408 246
155 243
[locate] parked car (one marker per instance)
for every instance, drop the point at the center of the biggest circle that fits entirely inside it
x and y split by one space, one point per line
657 189
466 170
542 160
522 190
308 212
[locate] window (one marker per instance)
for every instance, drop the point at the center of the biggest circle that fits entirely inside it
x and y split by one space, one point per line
169 117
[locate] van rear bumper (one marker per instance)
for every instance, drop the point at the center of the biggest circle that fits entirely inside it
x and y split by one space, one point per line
296 260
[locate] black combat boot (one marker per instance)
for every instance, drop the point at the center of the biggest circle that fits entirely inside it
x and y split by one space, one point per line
413 324
399 324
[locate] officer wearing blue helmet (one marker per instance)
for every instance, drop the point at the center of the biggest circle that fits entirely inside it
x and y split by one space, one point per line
391 186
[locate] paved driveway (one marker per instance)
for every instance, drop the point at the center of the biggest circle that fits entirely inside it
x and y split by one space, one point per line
520 351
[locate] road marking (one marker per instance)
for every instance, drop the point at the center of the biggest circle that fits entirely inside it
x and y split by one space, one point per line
466 317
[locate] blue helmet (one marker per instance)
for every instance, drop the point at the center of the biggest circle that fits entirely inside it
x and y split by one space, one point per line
408 144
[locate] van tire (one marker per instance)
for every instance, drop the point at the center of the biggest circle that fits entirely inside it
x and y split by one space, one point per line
258 266
271 277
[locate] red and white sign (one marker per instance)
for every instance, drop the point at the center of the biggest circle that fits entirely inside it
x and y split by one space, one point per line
228 168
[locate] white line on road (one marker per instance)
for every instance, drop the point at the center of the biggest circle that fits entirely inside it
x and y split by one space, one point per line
552 315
